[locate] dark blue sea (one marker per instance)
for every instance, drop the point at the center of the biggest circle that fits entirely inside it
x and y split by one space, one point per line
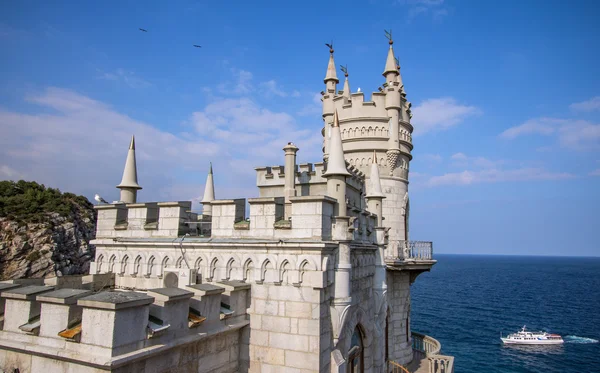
467 300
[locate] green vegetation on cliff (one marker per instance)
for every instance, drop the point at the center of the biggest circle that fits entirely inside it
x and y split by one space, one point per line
44 232
30 202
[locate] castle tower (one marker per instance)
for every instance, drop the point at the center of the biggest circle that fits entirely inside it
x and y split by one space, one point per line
209 193
377 129
129 184
331 82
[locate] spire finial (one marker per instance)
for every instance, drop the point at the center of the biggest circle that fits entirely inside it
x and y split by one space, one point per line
330 46
210 171
374 157
388 35
132 143
344 70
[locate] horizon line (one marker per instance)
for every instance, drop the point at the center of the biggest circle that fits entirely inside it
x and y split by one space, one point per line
536 255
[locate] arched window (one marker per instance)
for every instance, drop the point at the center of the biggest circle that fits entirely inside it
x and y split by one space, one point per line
355 355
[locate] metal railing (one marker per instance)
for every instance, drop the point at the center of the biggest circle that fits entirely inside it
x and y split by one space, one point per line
394 367
410 250
431 348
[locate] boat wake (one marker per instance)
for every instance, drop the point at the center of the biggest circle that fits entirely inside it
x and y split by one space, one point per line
576 339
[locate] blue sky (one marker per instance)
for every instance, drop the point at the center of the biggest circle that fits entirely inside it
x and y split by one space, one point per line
506 99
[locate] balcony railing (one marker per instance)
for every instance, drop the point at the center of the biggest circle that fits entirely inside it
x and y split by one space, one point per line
431 348
410 250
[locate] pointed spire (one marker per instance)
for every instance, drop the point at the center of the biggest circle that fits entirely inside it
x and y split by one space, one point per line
390 62
129 182
209 188
331 73
346 91
209 193
336 164
374 180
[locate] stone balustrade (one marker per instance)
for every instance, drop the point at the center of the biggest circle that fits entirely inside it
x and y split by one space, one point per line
431 348
410 250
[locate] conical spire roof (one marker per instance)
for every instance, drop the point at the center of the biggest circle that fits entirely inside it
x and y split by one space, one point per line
209 188
336 164
390 62
346 92
331 73
374 180
130 172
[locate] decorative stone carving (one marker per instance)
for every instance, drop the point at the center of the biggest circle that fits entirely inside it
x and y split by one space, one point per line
392 159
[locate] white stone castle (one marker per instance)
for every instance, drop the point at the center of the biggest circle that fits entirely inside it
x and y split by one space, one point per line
315 278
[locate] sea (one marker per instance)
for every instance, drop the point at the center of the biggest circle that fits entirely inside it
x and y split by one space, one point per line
466 301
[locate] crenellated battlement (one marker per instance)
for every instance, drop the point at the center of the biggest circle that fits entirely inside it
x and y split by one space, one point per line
305 173
153 219
87 326
311 218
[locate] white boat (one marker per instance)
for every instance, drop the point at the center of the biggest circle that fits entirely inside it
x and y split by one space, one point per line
525 337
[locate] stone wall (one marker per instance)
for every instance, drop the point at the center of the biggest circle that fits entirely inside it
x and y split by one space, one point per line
217 354
394 207
398 297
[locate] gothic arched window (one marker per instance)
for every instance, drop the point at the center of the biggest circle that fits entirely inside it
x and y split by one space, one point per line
355 355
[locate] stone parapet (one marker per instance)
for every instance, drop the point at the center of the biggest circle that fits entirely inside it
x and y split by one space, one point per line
310 219
113 323
21 310
153 219
60 310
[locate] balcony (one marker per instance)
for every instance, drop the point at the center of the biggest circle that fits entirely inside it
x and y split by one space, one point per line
427 356
414 256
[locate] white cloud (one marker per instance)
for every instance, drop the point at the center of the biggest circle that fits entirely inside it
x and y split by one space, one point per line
435 8
271 88
495 176
459 157
127 77
592 104
571 133
79 144
314 108
596 172
241 86
438 114
433 158
462 160
7 173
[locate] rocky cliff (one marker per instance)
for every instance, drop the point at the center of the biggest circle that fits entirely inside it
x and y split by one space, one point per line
43 232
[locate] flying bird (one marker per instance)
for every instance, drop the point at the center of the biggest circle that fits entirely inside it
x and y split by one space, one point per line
99 199
143 30
197 46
